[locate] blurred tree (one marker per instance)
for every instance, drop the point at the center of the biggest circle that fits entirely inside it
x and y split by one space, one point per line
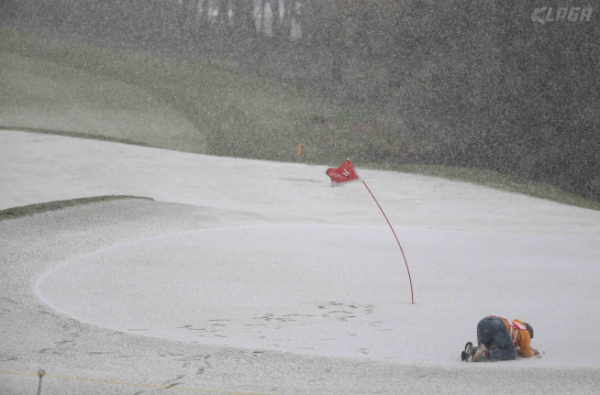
189 12
206 12
244 17
289 18
223 12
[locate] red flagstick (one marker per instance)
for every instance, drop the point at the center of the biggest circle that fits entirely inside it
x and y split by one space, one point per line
345 174
401 250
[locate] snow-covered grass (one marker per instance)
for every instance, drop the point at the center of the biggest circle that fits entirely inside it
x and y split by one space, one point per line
493 179
248 276
338 291
208 108
273 282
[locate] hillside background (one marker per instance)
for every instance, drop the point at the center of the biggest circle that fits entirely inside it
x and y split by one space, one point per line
508 86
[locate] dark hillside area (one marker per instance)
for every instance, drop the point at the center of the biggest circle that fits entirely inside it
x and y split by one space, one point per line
510 86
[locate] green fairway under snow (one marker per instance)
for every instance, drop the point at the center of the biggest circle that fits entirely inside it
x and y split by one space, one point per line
198 106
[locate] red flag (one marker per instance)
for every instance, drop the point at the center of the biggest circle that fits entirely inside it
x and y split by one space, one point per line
347 173
343 174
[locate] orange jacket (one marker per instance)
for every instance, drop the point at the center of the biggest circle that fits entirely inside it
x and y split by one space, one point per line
520 337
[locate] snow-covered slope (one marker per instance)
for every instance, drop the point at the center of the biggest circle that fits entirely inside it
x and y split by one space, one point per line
268 260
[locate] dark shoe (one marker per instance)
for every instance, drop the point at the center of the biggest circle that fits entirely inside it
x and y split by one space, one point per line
466 355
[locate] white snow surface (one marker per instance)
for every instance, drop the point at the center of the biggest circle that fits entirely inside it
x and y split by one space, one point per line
318 272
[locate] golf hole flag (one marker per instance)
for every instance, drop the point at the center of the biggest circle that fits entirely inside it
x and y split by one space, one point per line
345 174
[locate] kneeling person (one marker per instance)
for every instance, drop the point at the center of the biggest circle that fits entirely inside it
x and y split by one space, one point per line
499 339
